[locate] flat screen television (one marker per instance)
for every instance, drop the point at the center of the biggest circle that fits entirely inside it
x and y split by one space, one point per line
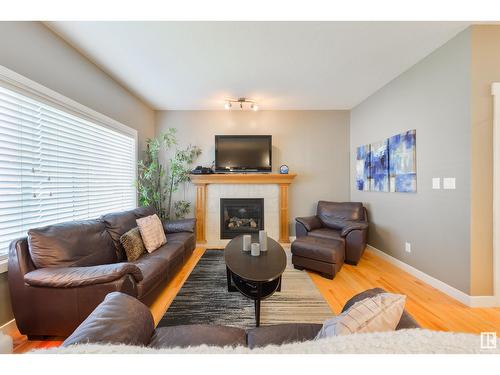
243 153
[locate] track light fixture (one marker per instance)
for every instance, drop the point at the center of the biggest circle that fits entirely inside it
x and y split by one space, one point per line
242 103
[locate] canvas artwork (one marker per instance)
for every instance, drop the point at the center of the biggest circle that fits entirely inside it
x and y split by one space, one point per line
379 166
363 168
402 162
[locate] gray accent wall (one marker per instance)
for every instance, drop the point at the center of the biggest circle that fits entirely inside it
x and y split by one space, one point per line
434 98
32 50
314 144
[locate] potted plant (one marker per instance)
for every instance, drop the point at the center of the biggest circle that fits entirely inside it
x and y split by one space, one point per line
156 182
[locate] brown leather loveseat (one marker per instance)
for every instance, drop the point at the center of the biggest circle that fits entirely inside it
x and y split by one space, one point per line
60 273
124 320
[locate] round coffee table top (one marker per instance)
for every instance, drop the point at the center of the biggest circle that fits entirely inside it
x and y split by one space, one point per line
268 266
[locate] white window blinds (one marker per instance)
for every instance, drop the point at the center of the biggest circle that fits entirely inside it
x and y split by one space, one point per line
57 167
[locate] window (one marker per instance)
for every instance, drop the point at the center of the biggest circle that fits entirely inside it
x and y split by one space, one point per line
55 167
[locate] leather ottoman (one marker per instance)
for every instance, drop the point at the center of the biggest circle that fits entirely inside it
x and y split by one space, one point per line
325 256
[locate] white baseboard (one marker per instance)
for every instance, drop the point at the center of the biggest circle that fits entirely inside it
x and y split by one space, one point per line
10 328
468 300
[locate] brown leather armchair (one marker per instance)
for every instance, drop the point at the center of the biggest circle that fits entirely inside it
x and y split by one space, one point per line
346 222
60 273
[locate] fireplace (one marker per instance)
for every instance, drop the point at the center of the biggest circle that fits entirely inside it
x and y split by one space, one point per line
241 216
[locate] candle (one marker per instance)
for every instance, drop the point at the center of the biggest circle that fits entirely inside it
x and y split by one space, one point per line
247 240
263 240
255 249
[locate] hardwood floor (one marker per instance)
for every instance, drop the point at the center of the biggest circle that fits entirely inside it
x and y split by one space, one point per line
167 295
430 307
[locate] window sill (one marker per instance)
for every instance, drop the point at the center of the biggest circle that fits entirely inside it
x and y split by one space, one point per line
3 265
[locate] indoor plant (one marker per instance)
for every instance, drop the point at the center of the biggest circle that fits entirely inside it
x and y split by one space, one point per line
157 182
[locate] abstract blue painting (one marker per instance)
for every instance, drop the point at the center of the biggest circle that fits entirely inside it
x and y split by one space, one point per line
402 162
363 168
379 166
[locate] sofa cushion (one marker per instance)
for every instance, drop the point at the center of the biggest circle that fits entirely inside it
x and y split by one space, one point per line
406 321
327 234
155 266
334 214
132 244
152 233
329 251
71 244
186 238
118 223
119 319
281 334
198 334
380 313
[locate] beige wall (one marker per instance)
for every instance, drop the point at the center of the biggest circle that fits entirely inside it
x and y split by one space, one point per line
32 50
314 144
485 69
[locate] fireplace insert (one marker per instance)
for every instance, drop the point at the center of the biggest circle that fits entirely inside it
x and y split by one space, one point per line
241 216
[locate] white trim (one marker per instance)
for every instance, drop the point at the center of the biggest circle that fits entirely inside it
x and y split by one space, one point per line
495 91
471 301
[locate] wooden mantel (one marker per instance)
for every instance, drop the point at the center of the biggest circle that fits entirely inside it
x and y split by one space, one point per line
201 182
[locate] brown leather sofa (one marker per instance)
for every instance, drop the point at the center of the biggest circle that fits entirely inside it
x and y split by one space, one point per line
60 273
343 224
121 319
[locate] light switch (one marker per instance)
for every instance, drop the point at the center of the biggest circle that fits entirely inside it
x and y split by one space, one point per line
449 183
436 183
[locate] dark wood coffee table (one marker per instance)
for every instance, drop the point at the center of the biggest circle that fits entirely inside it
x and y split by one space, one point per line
255 277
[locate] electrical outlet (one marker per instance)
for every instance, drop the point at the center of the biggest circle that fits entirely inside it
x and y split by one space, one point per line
408 247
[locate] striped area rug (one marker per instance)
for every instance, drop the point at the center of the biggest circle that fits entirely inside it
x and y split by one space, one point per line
204 299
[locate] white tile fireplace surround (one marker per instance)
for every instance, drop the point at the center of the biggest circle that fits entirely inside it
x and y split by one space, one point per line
215 192
211 188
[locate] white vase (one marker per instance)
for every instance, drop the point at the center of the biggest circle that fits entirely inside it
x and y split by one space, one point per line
263 240
247 241
255 250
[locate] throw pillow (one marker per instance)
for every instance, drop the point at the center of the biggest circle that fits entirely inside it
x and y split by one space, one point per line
152 232
375 314
132 243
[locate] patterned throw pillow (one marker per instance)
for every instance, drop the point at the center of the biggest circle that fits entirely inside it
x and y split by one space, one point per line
152 232
132 243
375 314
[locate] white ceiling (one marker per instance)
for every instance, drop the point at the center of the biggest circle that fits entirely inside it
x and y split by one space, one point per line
283 65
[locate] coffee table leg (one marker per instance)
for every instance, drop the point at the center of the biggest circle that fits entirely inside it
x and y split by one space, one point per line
257 312
228 274
257 304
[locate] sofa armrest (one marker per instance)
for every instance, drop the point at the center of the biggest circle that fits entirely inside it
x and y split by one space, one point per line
71 277
281 334
175 226
119 319
309 222
353 225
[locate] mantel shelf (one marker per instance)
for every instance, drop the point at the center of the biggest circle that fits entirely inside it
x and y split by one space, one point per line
243 178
